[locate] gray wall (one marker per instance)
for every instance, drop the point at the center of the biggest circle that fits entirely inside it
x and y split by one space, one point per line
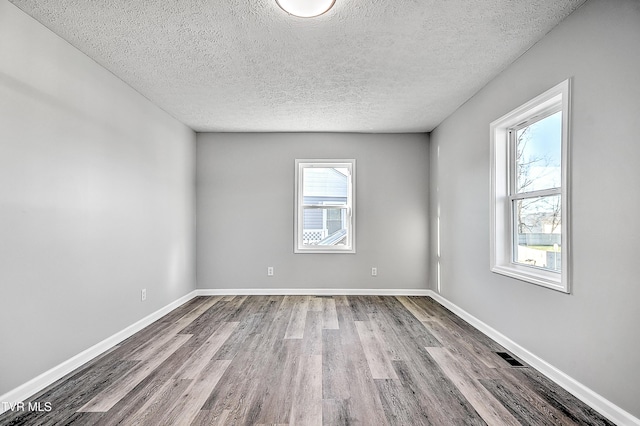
96 202
245 211
592 334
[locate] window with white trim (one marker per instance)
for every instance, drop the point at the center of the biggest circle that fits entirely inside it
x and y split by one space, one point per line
530 237
325 206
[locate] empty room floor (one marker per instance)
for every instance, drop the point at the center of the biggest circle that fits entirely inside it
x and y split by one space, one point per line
335 360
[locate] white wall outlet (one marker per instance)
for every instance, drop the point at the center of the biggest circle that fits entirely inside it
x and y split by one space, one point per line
143 294
270 271
374 272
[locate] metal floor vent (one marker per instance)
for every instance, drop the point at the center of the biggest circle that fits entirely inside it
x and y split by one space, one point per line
511 360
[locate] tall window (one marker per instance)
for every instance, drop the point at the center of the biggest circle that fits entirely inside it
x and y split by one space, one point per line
530 210
325 215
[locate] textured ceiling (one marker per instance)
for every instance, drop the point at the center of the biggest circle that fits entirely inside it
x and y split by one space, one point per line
245 65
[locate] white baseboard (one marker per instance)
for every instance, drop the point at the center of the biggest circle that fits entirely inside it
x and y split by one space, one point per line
312 292
589 397
35 385
580 391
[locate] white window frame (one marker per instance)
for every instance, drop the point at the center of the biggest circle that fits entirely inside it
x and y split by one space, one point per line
502 238
350 246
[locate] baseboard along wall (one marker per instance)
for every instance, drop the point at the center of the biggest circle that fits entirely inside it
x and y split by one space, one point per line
577 389
313 292
35 385
586 395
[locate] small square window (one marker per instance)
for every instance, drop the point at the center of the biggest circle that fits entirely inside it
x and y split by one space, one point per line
529 191
325 215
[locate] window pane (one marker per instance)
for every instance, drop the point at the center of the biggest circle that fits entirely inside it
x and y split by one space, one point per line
538 238
324 226
539 154
322 185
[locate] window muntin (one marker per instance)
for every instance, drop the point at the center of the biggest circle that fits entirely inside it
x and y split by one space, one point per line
530 193
325 206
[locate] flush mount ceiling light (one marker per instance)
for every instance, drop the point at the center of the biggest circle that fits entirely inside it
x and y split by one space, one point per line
305 8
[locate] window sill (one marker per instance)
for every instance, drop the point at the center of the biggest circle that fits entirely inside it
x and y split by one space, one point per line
324 251
538 277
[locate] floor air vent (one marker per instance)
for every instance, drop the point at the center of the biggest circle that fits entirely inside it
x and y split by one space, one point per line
511 360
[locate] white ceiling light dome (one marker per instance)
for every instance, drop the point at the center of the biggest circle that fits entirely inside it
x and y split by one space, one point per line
305 8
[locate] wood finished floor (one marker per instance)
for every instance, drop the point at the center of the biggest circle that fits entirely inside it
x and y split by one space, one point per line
277 360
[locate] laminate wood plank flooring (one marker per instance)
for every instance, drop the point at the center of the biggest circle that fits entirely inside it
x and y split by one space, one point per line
118 389
375 350
295 328
490 409
306 360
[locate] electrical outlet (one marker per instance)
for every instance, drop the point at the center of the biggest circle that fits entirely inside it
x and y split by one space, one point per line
374 272
270 271
143 295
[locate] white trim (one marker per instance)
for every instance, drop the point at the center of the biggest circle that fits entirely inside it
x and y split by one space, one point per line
580 391
577 389
501 224
350 246
312 292
35 385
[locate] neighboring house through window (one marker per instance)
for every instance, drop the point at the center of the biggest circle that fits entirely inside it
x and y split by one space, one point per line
530 237
324 221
